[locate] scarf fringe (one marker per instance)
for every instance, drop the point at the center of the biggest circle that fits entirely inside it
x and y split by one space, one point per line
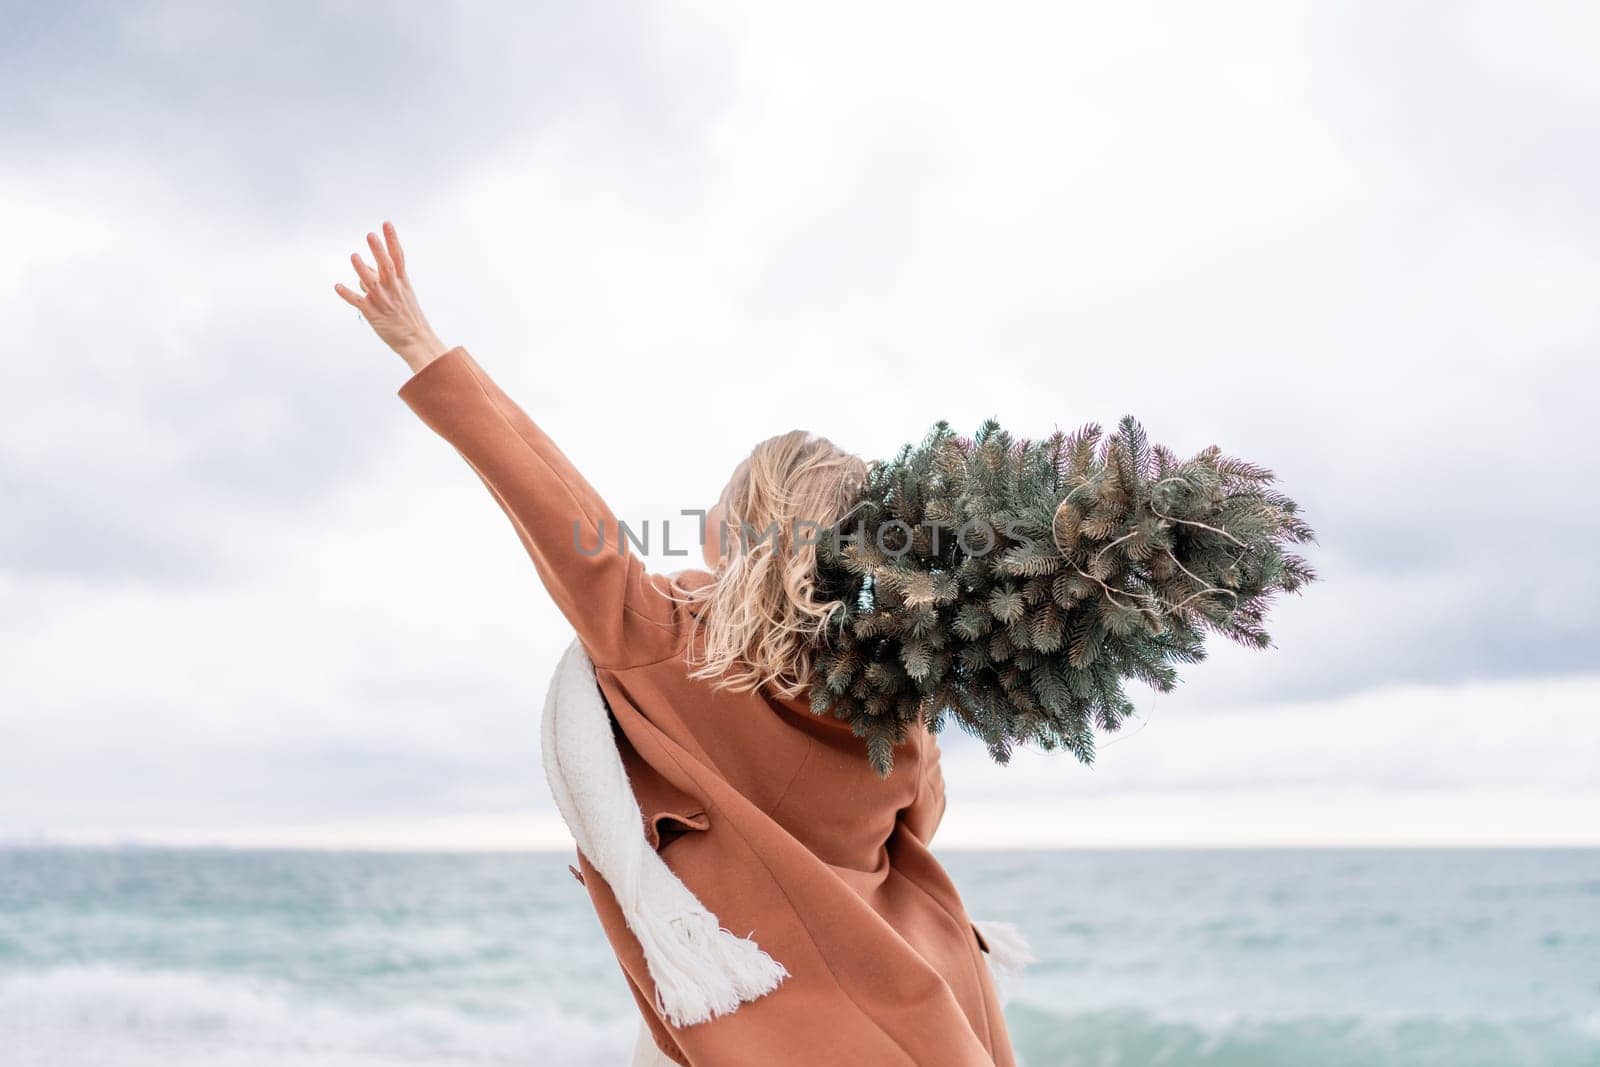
699 969
1009 952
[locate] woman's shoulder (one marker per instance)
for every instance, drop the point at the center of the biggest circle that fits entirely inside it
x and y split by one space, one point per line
681 586
662 607
689 577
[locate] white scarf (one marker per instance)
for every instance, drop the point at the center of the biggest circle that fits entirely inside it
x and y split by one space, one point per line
700 970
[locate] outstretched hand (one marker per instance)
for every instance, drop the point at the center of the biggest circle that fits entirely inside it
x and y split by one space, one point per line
388 303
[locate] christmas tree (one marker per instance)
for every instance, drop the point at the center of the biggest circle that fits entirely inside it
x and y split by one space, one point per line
1014 585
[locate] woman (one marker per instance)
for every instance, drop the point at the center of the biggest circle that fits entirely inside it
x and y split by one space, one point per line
770 813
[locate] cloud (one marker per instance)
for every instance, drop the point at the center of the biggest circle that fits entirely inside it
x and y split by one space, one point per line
238 578
1504 763
277 115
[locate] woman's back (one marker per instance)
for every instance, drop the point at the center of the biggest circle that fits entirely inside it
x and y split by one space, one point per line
770 814
808 773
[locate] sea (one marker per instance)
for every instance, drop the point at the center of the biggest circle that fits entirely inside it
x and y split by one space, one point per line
224 958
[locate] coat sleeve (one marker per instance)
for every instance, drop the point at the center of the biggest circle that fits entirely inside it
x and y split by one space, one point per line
927 810
575 541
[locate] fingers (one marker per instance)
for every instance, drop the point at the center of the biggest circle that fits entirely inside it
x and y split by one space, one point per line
396 254
378 285
369 280
380 256
350 298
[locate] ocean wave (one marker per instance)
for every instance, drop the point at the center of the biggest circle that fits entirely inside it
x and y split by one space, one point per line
1131 1038
71 1016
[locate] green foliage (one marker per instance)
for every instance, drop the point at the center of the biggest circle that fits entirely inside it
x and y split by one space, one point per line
1013 585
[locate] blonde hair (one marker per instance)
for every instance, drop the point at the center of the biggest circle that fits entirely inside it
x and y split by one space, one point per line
762 615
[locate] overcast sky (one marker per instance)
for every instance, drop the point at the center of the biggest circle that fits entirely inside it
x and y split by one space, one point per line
247 597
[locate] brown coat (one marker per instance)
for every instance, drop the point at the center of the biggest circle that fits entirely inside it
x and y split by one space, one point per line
770 814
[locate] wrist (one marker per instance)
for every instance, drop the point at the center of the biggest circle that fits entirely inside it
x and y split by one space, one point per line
421 353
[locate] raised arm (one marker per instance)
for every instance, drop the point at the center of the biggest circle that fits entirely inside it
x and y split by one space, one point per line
599 586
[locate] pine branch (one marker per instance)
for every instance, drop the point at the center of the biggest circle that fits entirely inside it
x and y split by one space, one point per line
1084 561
